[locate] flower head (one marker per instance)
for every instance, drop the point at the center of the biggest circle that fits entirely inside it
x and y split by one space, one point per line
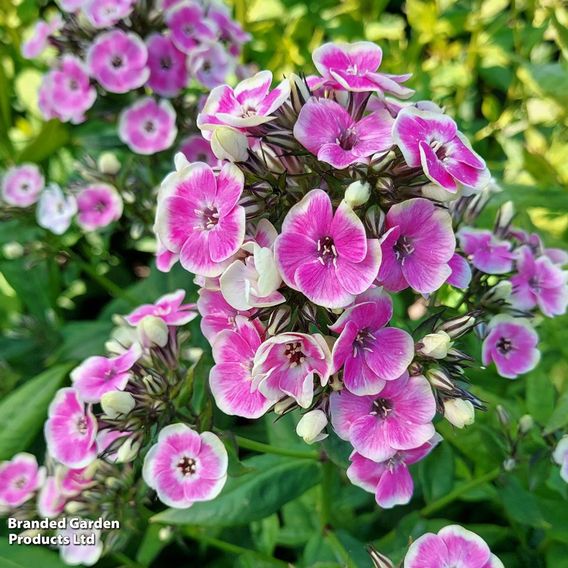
417 247
148 126
170 308
199 217
231 34
486 252
369 352
431 140
185 467
55 210
19 479
117 60
511 344
35 45
70 430
107 13
398 418
98 205
326 256
210 65
21 185
168 66
326 129
188 25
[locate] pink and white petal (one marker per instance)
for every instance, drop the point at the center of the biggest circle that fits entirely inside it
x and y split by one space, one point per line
494 562
428 551
170 491
466 174
126 361
408 131
356 278
388 84
360 379
230 347
333 154
175 221
343 347
230 184
197 488
331 56
177 438
464 547
395 487
435 169
460 150
228 235
416 401
291 251
461 272
275 98
553 301
392 352
364 473
401 434
321 284
345 408
390 272
253 90
348 234
213 457
368 436
423 276
311 217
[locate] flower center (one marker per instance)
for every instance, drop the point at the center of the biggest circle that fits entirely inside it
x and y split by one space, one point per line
82 425
326 251
294 353
248 110
363 342
116 61
24 187
73 85
187 466
381 408
438 148
534 283
149 126
504 345
100 206
188 29
352 69
166 63
210 217
403 248
20 482
347 139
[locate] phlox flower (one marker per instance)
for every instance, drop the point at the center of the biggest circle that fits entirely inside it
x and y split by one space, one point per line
354 67
168 66
378 426
486 252
369 352
511 344
431 140
170 308
165 259
390 480
461 272
98 205
249 104
50 501
188 25
66 92
327 130
539 282
197 149
21 185
286 365
98 375
417 247
107 13
231 34
198 215
148 126
117 60
452 546
35 45
55 209
75 553
560 456
70 430
326 256
231 379
185 467
210 65
19 479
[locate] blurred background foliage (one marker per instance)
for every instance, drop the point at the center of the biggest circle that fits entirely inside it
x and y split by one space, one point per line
500 67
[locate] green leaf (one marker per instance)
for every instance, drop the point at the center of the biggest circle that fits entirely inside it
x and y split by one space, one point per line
559 417
436 473
540 397
19 556
522 506
52 136
151 545
273 482
81 339
24 411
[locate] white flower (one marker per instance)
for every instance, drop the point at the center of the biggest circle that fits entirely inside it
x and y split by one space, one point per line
459 412
311 425
55 210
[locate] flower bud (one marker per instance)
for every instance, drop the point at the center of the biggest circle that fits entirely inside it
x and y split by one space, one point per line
311 425
74 507
128 450
285 405
379 560
279 320
108 164
152 331
13 250
456 327
509 464
499 293
503 416
439 379
375 220
505 217
434 345
526 423
229 144
459 412
436 193
117 403
357 193
165 534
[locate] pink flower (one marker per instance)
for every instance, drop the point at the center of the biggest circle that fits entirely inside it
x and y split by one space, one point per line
76 552
21 185
50 501
461 272
117 60
417 247
539 282
147 126
231 379
196 149
210 65
55 209
98 206
188 26
70 430
250 103
390 480
326 256
231 34
354 68
369 352
185 467
170 308
399 418
66 92
98 375
199 217
327 130
107 13
168 66
511 344
486 252
560 456
19 479
452 546
286 364
431 140
59 488
217 314
39 41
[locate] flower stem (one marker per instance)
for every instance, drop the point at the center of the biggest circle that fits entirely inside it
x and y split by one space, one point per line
442 502
268 449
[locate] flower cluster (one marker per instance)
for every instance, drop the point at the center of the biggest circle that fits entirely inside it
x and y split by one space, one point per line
333 196
100 429
108 47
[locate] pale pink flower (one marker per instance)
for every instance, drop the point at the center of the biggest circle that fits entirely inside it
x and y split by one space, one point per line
39 40
185 467
55 210
197 149
20 478
22 185
50 501
75 553
188 25
231 34
98 206
485 251
211 64
168 66
170 308
107 13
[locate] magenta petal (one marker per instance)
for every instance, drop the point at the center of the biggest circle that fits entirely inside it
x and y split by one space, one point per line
345 408
428 551
424 277
291 250
461 272
228 235
311 217
464 547
360 379
343 347
356 278
368 436
434 168
348 233
321 283
392 352
364 472
395 487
